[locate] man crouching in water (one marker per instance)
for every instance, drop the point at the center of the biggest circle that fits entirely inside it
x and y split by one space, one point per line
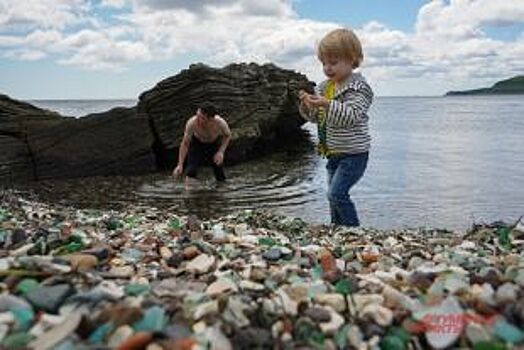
206 138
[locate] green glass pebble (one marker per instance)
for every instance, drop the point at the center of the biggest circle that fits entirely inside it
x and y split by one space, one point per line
392 342
99 335
508 332
26 285
344 287
67 344
266 241
489 345
112 224
316 272
174 223
74 247
136 289
154 320
17 341
24 318
341 337
400 333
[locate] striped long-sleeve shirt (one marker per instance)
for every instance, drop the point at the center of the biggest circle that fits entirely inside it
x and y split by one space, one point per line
346 117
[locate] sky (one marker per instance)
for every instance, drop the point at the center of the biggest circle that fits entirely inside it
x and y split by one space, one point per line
105 49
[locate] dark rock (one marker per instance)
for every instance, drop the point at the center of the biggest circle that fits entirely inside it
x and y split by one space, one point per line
371 329
177 331
19 235
252 338
10 302
175 260
273 254
16 158
49 298
114 142
318 314
258 102
102 253
39 144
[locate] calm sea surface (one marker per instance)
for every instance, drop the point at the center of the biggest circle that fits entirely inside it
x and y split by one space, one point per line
436 161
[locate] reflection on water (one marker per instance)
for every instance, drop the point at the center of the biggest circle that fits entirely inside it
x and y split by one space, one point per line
442 162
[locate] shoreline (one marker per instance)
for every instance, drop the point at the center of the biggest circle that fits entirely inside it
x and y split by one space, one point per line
150 276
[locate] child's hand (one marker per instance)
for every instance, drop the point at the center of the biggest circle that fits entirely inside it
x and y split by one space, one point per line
305 98
318 101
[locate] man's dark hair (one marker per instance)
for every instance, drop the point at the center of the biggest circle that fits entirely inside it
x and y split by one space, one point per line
208 109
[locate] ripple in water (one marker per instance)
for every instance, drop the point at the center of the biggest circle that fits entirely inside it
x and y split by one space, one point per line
279 182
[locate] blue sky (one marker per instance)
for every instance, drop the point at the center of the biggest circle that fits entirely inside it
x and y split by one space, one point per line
82 49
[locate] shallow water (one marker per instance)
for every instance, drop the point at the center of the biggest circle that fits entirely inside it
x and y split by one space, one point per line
436 161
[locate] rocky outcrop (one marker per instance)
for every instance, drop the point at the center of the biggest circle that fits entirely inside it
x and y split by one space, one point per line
259 102
39 144
115 142
16 161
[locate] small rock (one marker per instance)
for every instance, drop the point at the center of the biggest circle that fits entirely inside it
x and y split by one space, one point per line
82 262
138 340
190 252
216 339
381 315
101 253
273 254
221 286
252 286
234 313
508 332
242 230
477 333
122 271
507 293
335 300
19 235
329 328
355 337
50 298
165 253
201 264
208 308
253 338
318 314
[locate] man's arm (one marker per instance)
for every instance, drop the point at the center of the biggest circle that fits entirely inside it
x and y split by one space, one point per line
226 132
218 158
184 146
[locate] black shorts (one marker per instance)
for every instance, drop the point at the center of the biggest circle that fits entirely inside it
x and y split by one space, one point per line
201 154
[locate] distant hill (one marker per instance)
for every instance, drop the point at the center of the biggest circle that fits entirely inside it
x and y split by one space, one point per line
513 85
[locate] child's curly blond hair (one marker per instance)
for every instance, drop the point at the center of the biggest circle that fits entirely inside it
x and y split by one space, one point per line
341 43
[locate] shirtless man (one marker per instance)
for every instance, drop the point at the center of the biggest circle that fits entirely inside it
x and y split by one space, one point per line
206 138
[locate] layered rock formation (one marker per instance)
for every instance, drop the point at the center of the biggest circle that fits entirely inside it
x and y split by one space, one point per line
39 144
16 161
259 102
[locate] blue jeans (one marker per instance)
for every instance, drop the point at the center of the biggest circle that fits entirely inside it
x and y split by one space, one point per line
344 172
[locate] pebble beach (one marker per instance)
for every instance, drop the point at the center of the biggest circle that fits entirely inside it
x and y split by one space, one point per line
147 278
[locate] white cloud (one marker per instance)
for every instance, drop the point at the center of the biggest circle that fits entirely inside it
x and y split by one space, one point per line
96 50
30 14
25 55
113 3
449 40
